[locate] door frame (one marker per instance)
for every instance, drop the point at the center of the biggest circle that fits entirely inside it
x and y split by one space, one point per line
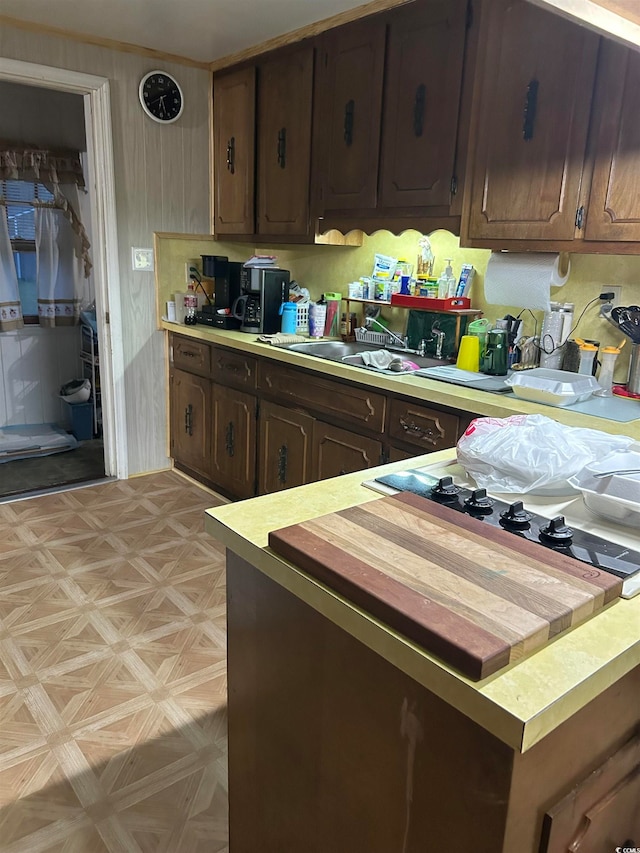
104 234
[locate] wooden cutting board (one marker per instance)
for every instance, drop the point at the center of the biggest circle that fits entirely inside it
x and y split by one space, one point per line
476 596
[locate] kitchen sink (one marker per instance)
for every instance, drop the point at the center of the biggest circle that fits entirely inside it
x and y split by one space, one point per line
351 353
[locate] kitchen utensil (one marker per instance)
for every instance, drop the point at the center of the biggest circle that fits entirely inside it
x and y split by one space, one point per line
478 597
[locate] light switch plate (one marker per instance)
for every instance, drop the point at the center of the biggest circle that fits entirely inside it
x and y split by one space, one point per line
142 259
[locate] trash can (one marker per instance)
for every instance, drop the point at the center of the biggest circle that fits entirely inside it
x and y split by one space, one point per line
81 420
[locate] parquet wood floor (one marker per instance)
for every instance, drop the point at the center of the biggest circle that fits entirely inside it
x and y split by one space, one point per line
112 671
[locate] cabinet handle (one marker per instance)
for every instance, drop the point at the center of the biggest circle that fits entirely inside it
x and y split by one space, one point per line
349 110
530 107
282 464
417 431
418 109
229 439
282 147
188 419
231 155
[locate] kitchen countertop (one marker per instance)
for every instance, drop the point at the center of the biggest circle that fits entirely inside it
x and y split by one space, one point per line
420 388
523 702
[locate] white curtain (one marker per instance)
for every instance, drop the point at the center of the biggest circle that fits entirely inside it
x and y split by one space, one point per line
60 268
10 308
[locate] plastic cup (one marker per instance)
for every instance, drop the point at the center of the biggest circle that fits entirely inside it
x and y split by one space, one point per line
469 353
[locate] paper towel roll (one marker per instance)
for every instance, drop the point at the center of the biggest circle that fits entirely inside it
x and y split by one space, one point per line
523 280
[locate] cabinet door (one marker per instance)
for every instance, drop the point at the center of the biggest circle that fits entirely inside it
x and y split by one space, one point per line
234 151
602 813
613 212
338 451
285 88
285 448
233 431
190 411
531 120
425 51
350 98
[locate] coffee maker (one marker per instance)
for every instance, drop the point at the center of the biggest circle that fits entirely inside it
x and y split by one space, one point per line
226 289
262 292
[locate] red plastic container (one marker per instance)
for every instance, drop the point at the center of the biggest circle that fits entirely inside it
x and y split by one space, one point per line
424 303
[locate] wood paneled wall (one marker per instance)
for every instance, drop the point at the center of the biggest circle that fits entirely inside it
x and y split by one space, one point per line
162 184
34 363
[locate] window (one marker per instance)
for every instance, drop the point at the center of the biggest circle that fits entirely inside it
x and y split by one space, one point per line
19 197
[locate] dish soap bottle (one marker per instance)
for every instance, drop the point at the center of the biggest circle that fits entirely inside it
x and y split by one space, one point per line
447 282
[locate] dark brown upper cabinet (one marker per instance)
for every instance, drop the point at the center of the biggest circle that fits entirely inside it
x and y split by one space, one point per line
349 113
424 60
388 118
285 86
234 151
613 211
529 128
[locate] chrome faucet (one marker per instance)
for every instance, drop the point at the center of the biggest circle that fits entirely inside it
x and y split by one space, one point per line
439 335
370 321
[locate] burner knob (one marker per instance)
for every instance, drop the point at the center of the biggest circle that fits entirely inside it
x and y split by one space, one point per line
445 490
479 502
516 516
557 532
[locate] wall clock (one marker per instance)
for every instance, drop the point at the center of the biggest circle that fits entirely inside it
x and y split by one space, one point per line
161 97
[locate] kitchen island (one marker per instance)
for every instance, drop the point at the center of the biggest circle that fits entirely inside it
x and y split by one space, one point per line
346 736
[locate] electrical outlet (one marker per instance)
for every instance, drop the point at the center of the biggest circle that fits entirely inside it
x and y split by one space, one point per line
194 262
616 289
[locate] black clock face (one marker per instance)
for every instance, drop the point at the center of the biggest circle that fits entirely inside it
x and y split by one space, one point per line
161 96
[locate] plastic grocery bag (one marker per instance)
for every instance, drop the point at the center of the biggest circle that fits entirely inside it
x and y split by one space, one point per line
531 453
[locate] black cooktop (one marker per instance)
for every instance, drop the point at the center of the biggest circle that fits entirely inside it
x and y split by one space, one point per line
552 533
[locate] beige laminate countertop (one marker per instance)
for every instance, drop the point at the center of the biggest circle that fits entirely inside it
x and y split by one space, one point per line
426 390
521 704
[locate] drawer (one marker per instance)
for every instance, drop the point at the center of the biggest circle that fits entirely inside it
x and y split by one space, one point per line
422 426
233 368
192 356
350 404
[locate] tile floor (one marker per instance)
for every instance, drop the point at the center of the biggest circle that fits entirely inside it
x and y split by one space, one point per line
112 671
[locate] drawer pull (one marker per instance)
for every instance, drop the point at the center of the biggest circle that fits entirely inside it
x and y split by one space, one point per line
282 464
230 439
282 147
188 353
424 433
418 110
188 419
530 108
231 155
349 111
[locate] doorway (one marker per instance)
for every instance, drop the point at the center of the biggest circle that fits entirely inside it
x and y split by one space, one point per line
100 181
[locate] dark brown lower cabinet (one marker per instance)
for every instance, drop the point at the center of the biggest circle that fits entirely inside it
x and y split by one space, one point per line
367 760
284 455
190 413
233 437
339 451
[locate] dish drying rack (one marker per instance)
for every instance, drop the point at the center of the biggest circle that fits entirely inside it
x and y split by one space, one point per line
380 339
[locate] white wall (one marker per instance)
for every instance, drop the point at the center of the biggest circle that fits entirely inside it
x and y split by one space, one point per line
162 184
34 363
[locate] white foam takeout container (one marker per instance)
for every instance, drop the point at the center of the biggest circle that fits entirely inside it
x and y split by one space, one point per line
553 387
617 497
